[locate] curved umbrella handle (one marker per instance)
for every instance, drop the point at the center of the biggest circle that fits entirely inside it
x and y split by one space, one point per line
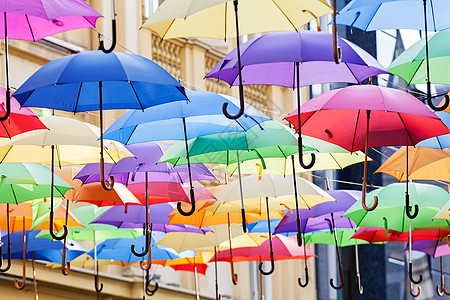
272 266
101 45
24 267
360 287
192 210
143 253
411 275
419 289
149 259
241 87
148 290
65 267
300 154
408 209
337 52
98 288
439 108
306 278
364 205
54 236
102 174
341 274
8 106
8 266
438 290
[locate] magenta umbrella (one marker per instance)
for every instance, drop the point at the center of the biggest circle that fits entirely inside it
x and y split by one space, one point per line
397 119
295 59
32 20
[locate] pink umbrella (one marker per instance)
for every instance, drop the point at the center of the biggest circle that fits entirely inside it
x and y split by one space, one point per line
398 118
32 20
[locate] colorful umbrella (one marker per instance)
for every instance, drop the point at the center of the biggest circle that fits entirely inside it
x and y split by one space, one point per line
215 19
120 80
377 235
388 14
184 120
424 164
397 119
440 141
35 19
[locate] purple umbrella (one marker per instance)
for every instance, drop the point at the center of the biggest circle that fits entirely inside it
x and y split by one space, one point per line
145 166
32 20
280 58
132 170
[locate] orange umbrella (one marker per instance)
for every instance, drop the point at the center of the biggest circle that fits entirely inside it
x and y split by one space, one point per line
423 164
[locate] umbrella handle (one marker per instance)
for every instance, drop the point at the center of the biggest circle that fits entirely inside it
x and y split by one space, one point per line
408 211
148 290
306 277
337 52
411 275
55 237
190 212
360 287
439 108
241 87
101 45
149 259
364 205
272 266
146 249
102 174
24 269
300 154
341 274
8 106
419 289
8 266
65 267
98 288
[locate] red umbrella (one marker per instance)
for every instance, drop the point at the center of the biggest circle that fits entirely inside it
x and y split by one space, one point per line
377 235
347 116
20 120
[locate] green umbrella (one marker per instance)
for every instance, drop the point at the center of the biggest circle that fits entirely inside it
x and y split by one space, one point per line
414 68
41 211
23 182
267 139
391 210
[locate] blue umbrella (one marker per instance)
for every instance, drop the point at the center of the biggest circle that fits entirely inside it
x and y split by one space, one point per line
202 115
25 245
440 141
94 80
369 15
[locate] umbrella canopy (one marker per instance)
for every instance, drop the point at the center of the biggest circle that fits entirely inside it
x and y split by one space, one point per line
434 248
269 139
119 249
396 118
201 115
277 188
376 235
71 83
411 64
423 164
20 120
146 155
371 15
76 142
440 141
191 264
271 59
284 248
216 19
44 249
35 19
428 197
344 237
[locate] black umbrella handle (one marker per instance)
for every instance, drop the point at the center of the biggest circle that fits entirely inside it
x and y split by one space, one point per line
300 283
8 106
101 45
192 210
411 275
8 91
241 87
408 210
148 290
8 266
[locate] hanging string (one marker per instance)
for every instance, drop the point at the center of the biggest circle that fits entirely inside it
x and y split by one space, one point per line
343 181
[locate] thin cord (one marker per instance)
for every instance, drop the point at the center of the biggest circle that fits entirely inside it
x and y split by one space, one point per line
342 181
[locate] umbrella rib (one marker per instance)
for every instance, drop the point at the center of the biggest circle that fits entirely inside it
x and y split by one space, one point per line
78 97
14 194
336 161
282 11
356 127
4 127
410 138
31 30
137 97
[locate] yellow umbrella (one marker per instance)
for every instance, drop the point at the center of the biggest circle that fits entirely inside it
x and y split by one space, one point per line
423 164
216 19
283 167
